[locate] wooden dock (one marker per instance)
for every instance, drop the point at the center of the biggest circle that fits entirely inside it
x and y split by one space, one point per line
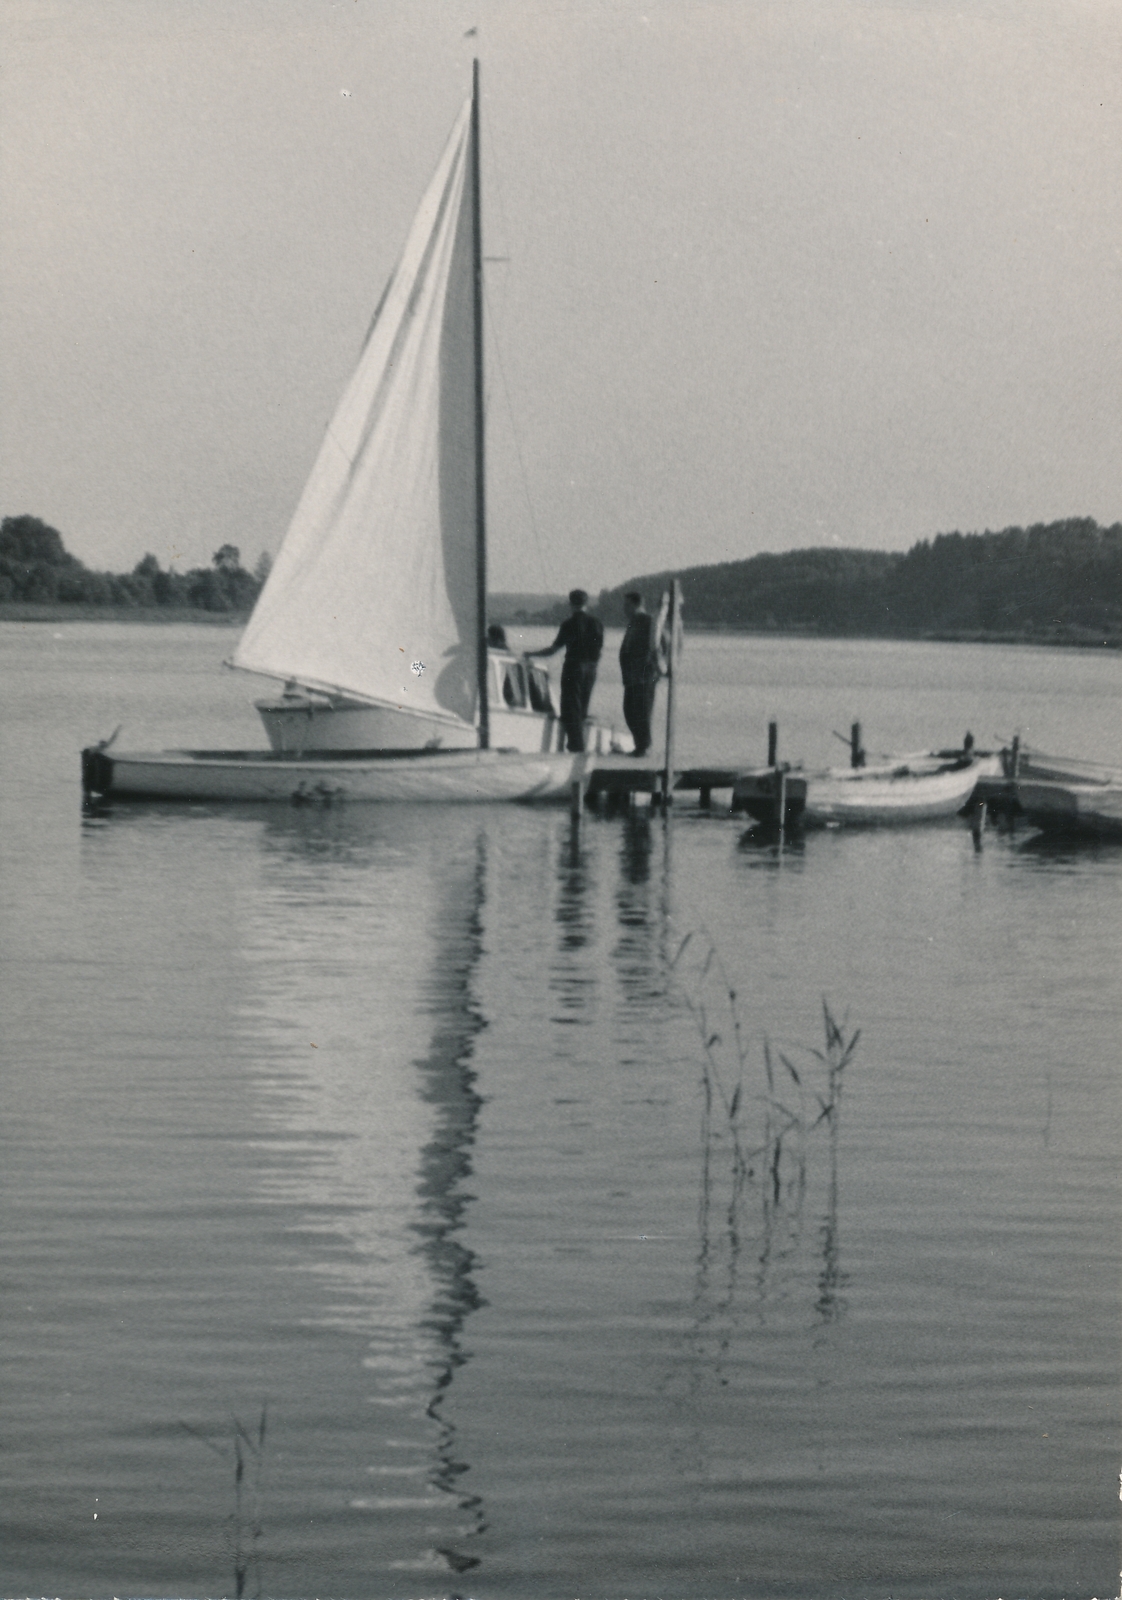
618 779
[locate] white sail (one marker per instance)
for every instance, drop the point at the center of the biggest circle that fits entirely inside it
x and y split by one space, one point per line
373 591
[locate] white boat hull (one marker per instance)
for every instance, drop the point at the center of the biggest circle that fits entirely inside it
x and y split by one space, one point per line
230 775
903 793
1077 808
864 798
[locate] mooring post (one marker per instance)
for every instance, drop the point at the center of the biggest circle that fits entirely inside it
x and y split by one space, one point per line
978 822
1015 758
780 797
856 754
576 798
772 742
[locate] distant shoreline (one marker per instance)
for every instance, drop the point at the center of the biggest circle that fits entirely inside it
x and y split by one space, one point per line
59 611
1074 639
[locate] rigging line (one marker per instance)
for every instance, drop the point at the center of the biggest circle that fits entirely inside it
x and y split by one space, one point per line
495 187
493 182
518 448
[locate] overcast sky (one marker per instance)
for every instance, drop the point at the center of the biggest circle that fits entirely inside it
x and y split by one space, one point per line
779 274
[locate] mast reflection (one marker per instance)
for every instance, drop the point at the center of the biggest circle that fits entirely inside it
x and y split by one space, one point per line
448 1084
365 945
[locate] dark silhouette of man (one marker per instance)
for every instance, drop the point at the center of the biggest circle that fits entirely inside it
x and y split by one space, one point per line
638 662
582 639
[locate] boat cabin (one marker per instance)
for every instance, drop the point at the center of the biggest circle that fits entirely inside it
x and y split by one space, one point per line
519 684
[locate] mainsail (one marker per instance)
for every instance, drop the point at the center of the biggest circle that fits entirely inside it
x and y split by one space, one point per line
374 590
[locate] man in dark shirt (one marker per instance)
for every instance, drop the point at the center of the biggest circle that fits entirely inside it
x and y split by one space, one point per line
582 639
638 661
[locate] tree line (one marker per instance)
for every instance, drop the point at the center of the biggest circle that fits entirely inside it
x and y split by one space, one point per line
1061 581
37 568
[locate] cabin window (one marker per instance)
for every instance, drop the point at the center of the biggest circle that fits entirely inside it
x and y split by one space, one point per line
512 683
539 690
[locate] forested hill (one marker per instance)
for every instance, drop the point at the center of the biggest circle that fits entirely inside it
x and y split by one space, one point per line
37 569
1060 582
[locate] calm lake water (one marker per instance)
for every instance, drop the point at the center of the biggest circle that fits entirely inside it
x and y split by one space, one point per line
394 1123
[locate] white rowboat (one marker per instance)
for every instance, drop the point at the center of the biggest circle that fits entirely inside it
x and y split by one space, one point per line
912 789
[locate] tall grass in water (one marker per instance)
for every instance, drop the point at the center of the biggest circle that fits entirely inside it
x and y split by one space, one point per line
757 1125
244 1523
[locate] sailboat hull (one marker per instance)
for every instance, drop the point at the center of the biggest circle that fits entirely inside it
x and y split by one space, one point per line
468 776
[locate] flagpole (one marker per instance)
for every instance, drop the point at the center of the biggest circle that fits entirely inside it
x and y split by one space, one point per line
673 624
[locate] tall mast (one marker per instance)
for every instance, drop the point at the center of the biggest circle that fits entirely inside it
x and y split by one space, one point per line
480 463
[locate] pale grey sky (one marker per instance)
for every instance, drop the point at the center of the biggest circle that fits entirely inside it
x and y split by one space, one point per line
780 274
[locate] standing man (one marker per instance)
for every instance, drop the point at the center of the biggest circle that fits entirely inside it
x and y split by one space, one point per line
638 661
582 638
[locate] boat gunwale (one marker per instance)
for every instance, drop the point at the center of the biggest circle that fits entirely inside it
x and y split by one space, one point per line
324 758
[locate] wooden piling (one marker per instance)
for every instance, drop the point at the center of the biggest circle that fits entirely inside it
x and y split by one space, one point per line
772 742
978 822
856 754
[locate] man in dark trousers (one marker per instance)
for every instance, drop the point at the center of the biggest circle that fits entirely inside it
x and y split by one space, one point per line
638 661
582 638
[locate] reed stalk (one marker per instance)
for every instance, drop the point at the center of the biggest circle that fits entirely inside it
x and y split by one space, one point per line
776 1156
244 1525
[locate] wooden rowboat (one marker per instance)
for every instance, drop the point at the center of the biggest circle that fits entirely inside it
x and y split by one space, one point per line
1092 809
912 789
1060 794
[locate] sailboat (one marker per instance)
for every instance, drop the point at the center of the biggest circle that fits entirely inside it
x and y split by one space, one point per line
374 613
